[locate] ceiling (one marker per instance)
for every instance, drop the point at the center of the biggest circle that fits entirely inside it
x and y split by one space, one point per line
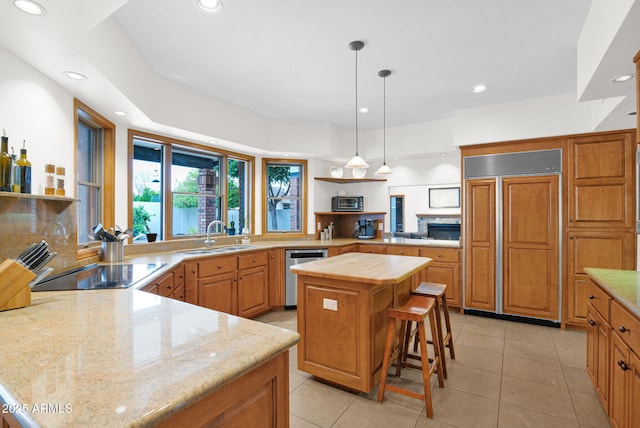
289 59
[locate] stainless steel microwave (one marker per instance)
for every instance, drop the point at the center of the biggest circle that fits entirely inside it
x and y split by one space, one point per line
347 203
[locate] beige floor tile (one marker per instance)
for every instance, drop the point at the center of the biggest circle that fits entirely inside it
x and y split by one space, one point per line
578 380
486 326
424 422
295 380
571 346
474 381
477 358
318 403
296 422
461 409
480 341
513 416
517 330
365 413
589 410
546 372
531 349
535 396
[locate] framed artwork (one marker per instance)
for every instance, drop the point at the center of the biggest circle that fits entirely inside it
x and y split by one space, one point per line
444 197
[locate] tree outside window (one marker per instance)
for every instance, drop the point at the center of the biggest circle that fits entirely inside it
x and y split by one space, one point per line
285 203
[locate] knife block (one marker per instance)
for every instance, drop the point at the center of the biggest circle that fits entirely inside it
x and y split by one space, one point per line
14 285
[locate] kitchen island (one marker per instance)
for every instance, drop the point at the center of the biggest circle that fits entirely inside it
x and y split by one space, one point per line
129 358
342 313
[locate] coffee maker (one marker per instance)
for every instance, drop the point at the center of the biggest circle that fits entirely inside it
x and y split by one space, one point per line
365 229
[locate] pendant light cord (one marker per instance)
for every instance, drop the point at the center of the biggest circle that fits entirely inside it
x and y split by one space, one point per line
384 120
356 109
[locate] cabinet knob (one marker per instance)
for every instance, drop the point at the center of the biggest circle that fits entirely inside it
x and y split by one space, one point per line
592 322
254 260
623 329
193 271
182 276
591 297
623 365
169 287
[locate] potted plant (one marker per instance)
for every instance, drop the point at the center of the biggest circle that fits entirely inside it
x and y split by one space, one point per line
141 219
231 230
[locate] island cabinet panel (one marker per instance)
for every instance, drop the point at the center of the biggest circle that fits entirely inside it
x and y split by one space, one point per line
480 244
601 184
445 268
593 248
598 339
530 277
257 399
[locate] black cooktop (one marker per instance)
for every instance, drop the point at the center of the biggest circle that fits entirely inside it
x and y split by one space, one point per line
94 276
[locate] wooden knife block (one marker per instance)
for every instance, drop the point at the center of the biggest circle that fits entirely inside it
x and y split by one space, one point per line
14 285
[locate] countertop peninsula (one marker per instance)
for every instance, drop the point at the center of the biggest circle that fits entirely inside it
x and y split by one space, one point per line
622 285
124 357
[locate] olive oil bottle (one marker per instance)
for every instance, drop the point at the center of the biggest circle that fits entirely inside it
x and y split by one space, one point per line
23 172
5 164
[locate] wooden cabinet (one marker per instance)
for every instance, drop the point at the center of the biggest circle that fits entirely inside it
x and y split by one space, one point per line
344 222
276 277
237 285
624 411
445 268
480 244
343 249
170 284
593 248
598 342
371 248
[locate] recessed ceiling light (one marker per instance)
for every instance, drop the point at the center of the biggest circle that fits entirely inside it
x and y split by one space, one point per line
75 76
209 6
623 78
30 7
479 88
120 113
443 154
364 110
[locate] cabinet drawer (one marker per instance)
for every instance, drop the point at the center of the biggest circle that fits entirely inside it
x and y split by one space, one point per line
253 259
216 265
166 285
626 326
441 254
598 299
401 250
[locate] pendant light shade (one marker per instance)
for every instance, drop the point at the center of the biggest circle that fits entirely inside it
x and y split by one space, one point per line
384 168
356 161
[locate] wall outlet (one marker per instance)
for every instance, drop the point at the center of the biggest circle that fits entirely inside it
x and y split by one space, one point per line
380 226
329 304
319 226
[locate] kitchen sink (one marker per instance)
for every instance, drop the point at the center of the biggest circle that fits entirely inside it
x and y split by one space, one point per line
217 250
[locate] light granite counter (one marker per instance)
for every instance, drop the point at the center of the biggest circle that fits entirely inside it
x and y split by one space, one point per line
622 285
124 357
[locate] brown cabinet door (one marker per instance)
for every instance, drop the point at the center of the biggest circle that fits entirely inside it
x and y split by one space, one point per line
599 249
253 291
618 394
371 248
601 185
219 293
530 281
448 274
480 244
601 350
634 390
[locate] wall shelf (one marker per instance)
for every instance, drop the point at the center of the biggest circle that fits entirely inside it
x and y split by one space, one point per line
58 203
349 180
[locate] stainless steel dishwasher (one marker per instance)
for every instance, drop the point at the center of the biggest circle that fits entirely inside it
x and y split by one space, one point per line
295 257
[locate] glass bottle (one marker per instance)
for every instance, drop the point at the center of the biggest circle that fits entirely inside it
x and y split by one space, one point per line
49 179
60 181
5 165
23 174
15 180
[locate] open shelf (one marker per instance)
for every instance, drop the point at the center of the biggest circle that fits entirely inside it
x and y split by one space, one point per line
349 180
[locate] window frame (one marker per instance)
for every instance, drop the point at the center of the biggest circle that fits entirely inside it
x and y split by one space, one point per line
304 197
87 250
168 144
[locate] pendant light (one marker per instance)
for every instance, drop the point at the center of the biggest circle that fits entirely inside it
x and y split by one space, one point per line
356 161
384 168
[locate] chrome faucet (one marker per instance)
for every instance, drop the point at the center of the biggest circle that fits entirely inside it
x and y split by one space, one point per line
209 241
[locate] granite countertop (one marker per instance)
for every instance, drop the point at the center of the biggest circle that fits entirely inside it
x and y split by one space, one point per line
124 357
379 269
622 285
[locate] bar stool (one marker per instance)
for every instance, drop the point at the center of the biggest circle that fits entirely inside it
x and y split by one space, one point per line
438 292
416 308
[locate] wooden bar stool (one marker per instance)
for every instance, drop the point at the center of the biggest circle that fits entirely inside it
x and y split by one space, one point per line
416 308
438 292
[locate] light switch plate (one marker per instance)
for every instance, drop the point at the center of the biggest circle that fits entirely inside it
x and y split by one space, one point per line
329 304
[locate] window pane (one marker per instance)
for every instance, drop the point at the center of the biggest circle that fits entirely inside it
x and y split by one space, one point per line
284 197
284 215
147 190
195 173
237 196
88 211
86 153
192 214
284 180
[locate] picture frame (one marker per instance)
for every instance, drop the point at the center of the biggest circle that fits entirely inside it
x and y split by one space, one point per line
444 197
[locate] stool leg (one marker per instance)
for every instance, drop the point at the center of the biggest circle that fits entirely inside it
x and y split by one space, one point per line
405 333
447 322
425 369
436 349
438 316
388 350
405 348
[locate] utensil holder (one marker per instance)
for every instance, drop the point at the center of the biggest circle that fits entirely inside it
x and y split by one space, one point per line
14 285
113 252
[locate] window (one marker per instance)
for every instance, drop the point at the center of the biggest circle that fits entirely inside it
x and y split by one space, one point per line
95 170
397 213
285 204
178 187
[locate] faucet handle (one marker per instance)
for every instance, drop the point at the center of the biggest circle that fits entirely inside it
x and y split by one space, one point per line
209 242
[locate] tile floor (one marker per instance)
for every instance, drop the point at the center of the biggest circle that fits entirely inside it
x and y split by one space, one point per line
505 374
